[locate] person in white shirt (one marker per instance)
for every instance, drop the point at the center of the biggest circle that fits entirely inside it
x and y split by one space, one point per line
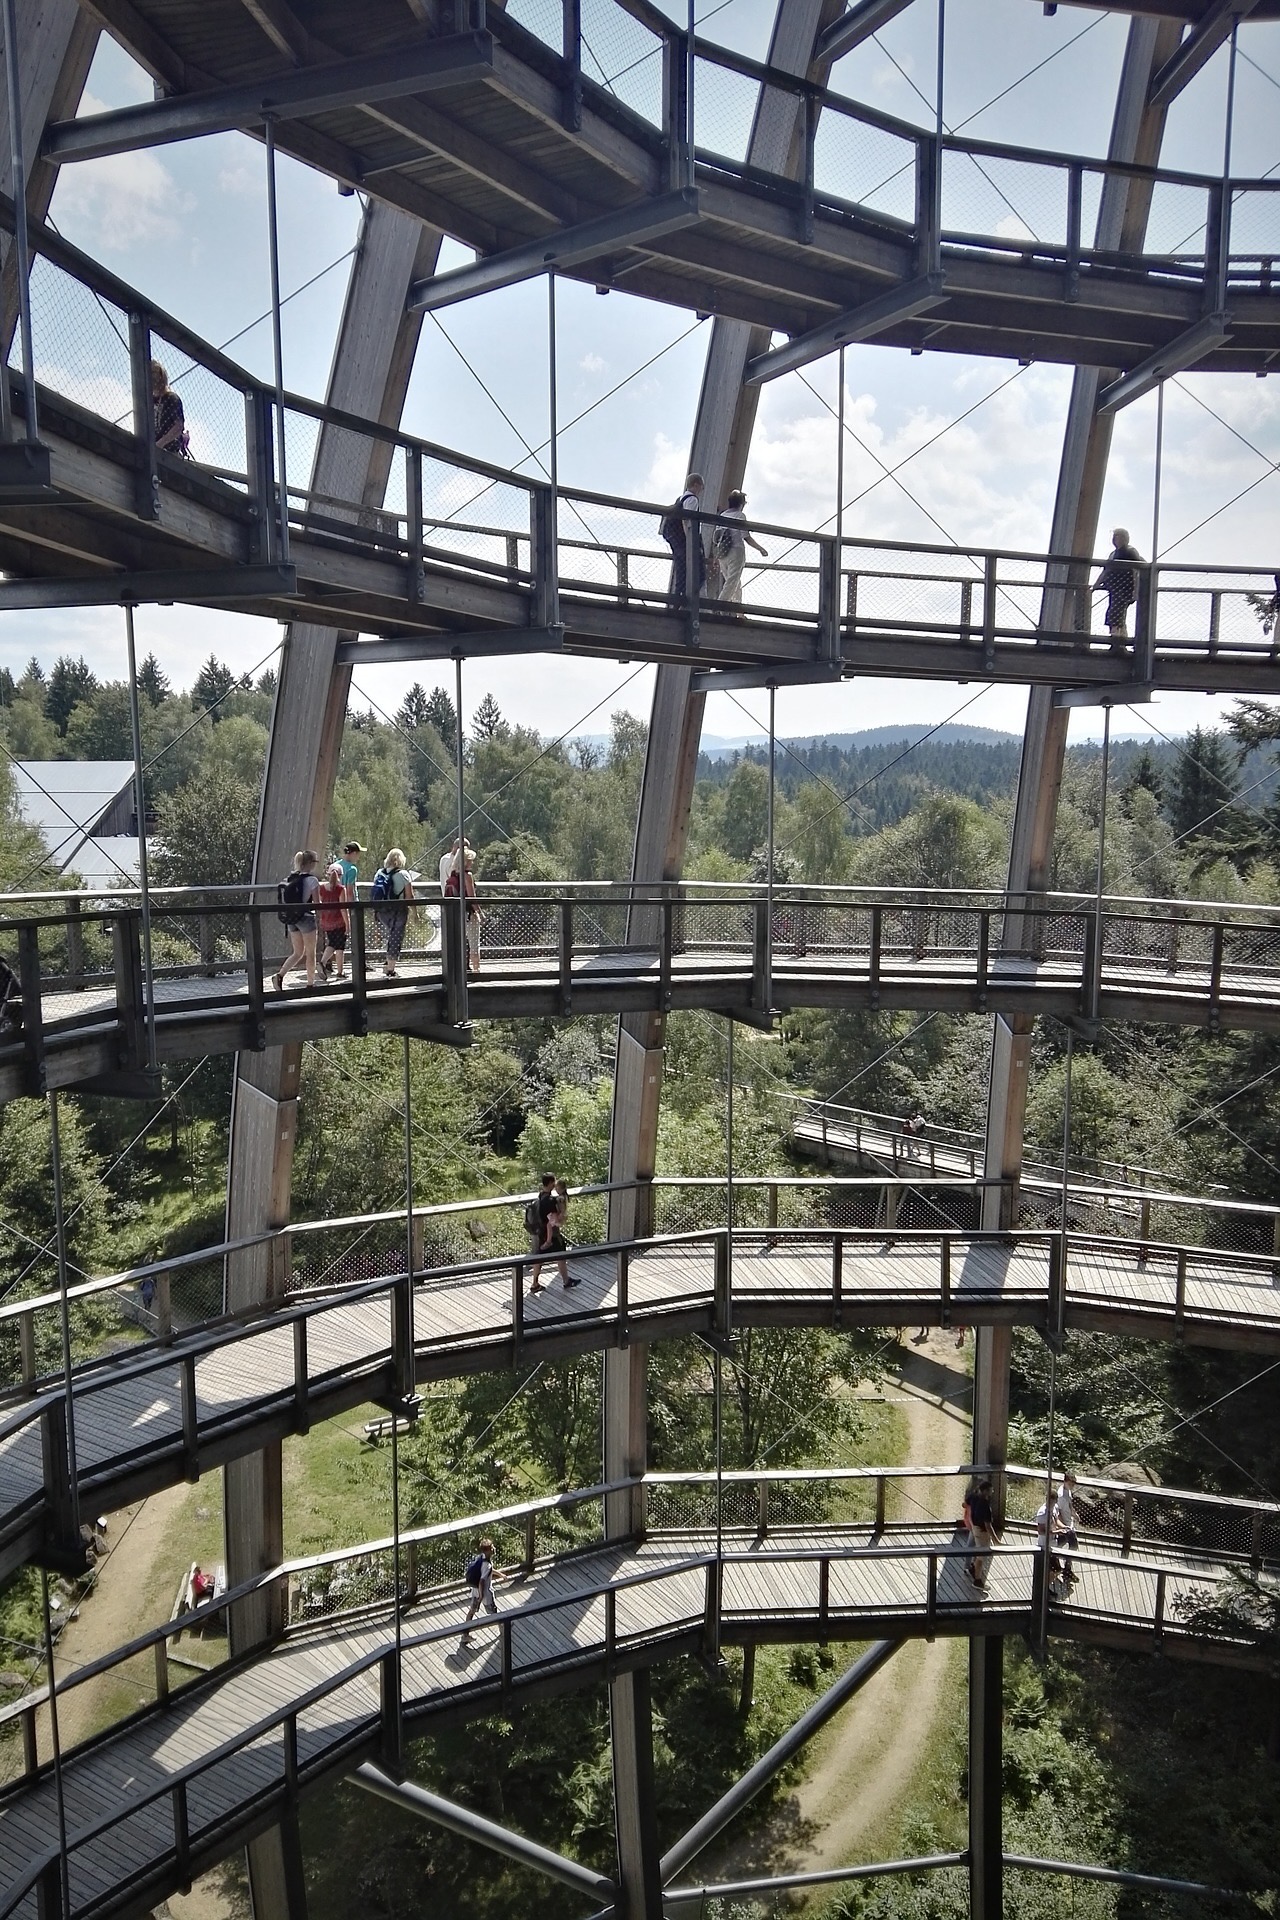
449 860
480 1581
684 537
730 543
1062 1513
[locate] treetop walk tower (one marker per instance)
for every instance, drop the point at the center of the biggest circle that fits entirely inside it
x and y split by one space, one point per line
827 223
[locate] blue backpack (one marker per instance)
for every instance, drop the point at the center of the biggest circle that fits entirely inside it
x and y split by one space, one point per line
380 891
474 1570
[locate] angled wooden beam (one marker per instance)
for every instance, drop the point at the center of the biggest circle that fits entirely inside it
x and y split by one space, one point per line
571 247
442 134
1206 36
859 323
379 76
1185 351
857 25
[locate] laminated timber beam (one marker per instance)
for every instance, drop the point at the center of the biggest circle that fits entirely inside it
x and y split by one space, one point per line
1187 350
863 322
857 25
572 247
1209 32
424 67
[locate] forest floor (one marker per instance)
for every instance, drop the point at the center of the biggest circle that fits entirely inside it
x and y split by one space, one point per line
861 1767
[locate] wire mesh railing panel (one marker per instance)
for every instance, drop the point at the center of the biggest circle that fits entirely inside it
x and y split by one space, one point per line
1255 222
214 411
346 1256
724 109
600 925
1141 1520
923 933
543 18
345 1586
613 549
468 519
787 585
80 344
714 926
1220 615
907 590
1251 950
864 166
1011 200
524 929
624 56
1177 219
835 927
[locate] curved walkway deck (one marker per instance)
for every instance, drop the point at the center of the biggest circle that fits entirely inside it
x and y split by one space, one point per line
174 1787
560 951
151 1416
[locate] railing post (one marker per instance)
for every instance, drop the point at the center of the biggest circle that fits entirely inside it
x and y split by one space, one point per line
1057 1304
416 579
984 956
624 1297
391 1723
1144 1231
544 609
453 960
1075 198
1180 1295
1157 1624
824 1598
873 958
162 1669
564 937
56 1468
181 1833
837 1280
762 1509
829 599
675 110
928 203
1126 1530
666 948
610 1632
944 1270
259 441
402 1337
49 1904
130 989
530 1541
931 1597
359 954
27 1350
504 1636
75 941
1091 965
990 570
571 96
722 1316
255 981
810 127
881 1491
517 1312
301 1379
32 1010
761 958
30 1745
146 486
1217 240
190 1417
1144 627
624 577
772 1192
164 1308
1215 973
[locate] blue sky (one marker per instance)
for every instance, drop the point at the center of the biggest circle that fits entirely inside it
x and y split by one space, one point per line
188 224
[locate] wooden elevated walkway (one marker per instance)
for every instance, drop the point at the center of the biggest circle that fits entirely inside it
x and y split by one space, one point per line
157 1413
557 951
573 125
174 1787
465 555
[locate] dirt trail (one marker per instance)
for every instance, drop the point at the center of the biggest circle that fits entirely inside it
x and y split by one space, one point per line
862 1764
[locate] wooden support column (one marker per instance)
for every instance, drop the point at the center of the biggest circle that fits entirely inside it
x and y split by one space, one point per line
721 439
372 361
1136 134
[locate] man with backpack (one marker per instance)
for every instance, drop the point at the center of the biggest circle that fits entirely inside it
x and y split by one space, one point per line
295 909
479 1577
684 537
537 1217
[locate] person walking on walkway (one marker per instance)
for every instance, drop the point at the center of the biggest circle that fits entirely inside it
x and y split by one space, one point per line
461 883
553 1205
684 537
982 1533
296 895
393 913
479 1577
1056 1524
1119 582
536 1215
350 871
331 911
729 545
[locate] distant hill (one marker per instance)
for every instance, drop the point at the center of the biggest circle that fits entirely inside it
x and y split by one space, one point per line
716 746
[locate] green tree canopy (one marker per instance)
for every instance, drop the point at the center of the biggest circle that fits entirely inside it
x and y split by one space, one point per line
70 682
206 833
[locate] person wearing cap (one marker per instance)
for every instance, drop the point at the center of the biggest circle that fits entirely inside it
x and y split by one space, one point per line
350 871
729 543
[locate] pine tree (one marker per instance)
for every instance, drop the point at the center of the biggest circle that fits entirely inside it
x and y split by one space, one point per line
1204 783
70 682
213 683
6 687
153 683
413 708
487 721
1146 774
442 714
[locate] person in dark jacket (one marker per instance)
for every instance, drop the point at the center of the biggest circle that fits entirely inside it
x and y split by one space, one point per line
1119 582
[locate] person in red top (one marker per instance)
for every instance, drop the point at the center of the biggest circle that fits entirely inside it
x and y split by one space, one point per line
331 907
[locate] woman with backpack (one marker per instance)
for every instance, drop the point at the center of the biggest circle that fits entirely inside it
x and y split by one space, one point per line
296 897
392 893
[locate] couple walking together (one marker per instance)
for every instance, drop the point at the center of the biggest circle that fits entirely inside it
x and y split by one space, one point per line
729 542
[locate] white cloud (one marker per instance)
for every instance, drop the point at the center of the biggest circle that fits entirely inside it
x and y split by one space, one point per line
246 183
592 363
126 199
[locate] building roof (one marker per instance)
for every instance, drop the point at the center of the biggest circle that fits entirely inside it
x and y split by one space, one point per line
66 799
103 860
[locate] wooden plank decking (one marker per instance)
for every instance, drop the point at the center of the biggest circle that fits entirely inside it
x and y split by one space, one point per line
557 1620
129 1409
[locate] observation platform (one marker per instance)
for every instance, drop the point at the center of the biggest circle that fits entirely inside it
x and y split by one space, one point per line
471 558
151 1413
173 1787
570 136
610 949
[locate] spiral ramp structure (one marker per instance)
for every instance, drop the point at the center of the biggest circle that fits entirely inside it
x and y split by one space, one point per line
480 123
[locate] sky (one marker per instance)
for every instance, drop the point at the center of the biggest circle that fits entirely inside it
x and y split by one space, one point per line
973 442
